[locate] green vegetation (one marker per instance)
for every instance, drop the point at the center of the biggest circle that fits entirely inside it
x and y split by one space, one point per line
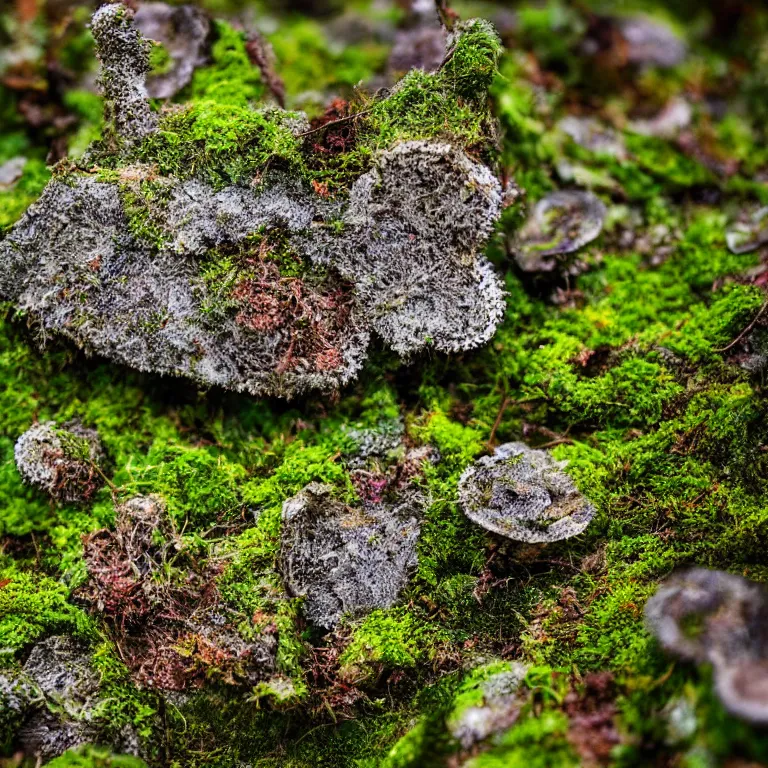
631 363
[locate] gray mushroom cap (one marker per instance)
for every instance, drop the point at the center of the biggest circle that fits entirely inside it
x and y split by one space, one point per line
714 617
562 222
525 495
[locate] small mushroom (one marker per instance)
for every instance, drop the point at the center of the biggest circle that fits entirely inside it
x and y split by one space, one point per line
561 223
524 494
591 134
710 616
62 461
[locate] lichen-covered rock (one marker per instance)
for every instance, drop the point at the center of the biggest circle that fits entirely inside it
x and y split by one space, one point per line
263 285
525 495
155 311
412 246
347 560
561 223
710 616
62 461
185 33
56 698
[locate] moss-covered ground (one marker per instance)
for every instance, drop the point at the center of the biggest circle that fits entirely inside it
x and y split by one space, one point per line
645 371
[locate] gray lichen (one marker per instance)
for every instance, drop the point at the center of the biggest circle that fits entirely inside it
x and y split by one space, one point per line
711 616
63 462
412 246
161 273
124 57
346 560
525 495
56 697
561 223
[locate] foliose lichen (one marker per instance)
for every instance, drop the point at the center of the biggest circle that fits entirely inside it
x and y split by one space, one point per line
525 495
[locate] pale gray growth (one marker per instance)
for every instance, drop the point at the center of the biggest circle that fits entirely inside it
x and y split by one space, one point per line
749 233
170 281
381 441
525 495
711 616
675 117
650 42
11 171
150 310
63 461
347 560
562 222
593 135
412 245
496 712
199 219
124 57
185 32
55 698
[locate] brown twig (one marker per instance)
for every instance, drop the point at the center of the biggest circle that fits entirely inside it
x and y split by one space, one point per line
745 331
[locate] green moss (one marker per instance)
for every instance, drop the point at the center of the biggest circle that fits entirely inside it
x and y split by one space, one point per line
311 64
230 78
94 757
14 201
392 639
33 606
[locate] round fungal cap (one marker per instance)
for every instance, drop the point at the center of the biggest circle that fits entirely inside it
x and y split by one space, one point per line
525 495
560 223
715 617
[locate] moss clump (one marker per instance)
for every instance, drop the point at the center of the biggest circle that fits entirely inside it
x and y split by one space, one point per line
32 607
93 757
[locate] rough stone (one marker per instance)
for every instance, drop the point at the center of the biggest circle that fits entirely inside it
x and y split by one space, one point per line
347 560
124 57
407 262
525 495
